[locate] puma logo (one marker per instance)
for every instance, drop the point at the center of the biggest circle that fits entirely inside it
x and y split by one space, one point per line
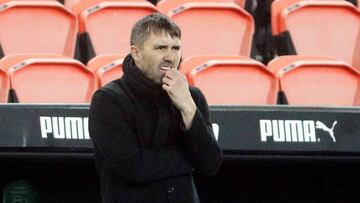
322 126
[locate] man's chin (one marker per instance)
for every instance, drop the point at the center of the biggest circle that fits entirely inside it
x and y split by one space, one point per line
157 82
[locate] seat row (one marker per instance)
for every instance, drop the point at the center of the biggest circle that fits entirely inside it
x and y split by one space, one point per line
95 27
321 27
224 80
209 27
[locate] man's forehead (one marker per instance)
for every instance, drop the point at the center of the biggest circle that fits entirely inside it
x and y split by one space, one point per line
162 37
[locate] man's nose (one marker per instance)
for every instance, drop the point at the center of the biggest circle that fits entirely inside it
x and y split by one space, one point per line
169 57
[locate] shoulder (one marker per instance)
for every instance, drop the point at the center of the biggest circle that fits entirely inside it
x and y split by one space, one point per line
111 93
113 88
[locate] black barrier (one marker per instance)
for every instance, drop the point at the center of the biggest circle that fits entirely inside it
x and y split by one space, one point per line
239 129
288 129
47 126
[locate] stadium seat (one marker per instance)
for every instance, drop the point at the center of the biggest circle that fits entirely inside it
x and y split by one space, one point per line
317 81
211 28
166 4
37 27
328 28
107 24
49 79
188 64
106 67
5 1
241 3
9 61
4 86
232 80
70 3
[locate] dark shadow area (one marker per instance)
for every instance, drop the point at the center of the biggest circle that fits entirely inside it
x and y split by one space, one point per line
76 181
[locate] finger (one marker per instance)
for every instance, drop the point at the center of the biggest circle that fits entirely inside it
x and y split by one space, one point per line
171 73
165 87
166 81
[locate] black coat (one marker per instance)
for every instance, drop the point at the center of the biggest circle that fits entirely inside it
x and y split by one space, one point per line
130 168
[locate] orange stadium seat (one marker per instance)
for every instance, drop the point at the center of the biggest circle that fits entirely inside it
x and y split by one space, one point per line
70 3
165 4
317 81
241 3
107 67
4 86
49 79
211 27
328 28
4 1
37 27
9 61
232 80
107 24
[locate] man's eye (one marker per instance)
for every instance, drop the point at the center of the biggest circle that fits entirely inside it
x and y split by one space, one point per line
176 48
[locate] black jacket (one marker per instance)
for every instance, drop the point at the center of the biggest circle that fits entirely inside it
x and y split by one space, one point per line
131 169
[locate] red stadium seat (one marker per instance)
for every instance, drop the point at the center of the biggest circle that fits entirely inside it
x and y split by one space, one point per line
317 81
211 28
236 81
4 86
11 60
241 3
328 28
4 1
107 67
108 24
70 3
49 79
167 4
188 64
37 27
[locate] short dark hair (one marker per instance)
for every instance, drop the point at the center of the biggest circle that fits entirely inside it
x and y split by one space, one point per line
155 23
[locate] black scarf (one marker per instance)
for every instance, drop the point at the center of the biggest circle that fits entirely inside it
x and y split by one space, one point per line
145 89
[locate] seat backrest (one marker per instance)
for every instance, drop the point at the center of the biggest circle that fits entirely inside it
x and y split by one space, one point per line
4 86
278 6
189 63
11 60
317 81
241 3
213 28
78 6
241 81
69 3
52 80
37 27
166 5
107 67
109 23
329 28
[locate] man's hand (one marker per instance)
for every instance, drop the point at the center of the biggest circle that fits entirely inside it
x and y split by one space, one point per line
177 87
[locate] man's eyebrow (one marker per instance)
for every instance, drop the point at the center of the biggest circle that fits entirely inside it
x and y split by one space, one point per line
160 45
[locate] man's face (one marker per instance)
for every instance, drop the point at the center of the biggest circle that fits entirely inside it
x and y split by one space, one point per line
159 53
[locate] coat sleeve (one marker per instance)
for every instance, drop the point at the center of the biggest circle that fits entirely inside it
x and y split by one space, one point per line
113 137
200 144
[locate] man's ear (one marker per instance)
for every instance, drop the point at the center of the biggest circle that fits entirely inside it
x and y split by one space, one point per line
135 53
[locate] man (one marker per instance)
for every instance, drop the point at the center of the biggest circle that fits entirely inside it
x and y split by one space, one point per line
149 129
